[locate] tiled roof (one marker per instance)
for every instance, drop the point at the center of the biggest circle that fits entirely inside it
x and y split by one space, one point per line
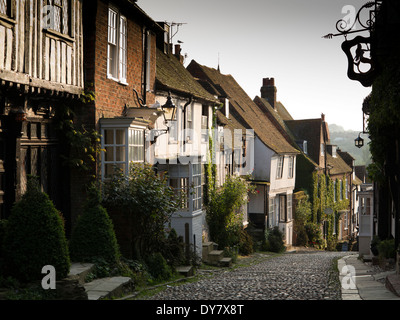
339 166
284 114
310 130
172 75
243 109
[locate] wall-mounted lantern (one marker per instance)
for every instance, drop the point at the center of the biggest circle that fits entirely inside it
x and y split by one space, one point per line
169 111
359 142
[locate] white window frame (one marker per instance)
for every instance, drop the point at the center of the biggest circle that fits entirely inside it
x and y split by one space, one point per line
189 123
279 167
289 207
117 46
133 149
291 167
322 149
271 206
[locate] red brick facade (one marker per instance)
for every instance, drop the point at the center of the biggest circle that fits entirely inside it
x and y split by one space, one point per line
111 96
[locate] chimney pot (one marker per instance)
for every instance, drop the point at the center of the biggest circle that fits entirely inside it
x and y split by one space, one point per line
268 82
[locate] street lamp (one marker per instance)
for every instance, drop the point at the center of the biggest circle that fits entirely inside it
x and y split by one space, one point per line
359 142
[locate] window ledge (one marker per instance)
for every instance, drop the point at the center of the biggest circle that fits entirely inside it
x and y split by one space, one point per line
7 21
124 83
58 36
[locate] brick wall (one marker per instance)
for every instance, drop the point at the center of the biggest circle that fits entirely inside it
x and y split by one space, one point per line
111 95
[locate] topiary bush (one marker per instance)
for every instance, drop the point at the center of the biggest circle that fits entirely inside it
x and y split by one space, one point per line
158 267
93 236
246 244
35 237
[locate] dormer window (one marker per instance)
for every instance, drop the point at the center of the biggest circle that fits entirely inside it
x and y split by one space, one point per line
303 145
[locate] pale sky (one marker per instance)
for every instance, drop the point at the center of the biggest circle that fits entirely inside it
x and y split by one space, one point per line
258 39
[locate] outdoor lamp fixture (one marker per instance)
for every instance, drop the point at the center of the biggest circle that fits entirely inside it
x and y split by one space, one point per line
169 111
359 142
169 115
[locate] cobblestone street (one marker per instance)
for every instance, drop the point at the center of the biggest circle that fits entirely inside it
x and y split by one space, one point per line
291 276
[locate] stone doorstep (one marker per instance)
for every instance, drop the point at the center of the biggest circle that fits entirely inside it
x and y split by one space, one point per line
187 271
225 262
108 287
80 270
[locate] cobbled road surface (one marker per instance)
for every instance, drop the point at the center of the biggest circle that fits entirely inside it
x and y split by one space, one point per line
290 276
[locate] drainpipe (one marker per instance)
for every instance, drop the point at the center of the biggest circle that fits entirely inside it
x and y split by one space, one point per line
145 49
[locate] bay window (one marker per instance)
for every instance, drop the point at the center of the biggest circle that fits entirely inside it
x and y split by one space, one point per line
187 182
122 143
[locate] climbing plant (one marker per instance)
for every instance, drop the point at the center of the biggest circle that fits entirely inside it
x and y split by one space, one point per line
323 197
82 144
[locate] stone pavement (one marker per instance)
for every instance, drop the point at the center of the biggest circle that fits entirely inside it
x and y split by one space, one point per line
290 276
361 282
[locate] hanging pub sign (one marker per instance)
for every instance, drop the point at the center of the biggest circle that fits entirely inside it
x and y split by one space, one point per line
360 65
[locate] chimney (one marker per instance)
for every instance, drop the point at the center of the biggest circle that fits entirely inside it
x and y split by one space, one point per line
177 53
323 117
268 91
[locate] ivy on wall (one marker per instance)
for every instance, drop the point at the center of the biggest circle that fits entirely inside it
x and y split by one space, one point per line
324 190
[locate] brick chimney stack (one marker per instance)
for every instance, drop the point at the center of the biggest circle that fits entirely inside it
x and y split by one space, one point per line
177 53
268 91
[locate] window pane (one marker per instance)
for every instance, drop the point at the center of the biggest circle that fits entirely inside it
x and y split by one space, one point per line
122 49
112 27
65 17
120 153
109 136
3 6
119 136
109 154
57 18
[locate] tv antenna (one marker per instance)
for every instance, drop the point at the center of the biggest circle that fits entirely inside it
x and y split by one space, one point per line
177 25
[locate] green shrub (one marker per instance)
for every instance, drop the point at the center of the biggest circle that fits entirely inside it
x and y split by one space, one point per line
173 249
3 225
386 249
302 237
225 211
35 237
158 267
275 240
93 236
314 235
246 245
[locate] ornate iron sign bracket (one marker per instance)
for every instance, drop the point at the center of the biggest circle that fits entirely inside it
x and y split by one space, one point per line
358 50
